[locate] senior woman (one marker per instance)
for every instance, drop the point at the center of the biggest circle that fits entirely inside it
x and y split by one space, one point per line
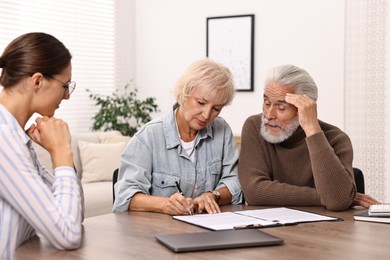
185 161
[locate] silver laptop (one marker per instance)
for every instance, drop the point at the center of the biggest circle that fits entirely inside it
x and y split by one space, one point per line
186 242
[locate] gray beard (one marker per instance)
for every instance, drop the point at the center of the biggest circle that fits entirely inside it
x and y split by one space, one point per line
285 132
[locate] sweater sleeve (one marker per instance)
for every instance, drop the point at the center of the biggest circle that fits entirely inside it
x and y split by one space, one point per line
331 161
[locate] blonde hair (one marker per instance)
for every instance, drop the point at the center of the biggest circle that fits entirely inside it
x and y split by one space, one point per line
212 79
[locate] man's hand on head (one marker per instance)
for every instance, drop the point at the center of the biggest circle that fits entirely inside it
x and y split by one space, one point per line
307 112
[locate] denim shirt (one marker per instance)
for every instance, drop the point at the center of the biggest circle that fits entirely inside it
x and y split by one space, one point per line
154 159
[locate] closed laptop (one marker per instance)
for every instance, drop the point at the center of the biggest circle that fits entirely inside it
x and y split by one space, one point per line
211 240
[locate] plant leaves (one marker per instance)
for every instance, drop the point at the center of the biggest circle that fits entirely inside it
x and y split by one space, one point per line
122 111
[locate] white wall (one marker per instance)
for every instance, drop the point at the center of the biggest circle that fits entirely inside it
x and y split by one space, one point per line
127 33
171 34
387 113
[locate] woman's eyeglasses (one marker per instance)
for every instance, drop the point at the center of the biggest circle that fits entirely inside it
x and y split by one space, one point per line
69 86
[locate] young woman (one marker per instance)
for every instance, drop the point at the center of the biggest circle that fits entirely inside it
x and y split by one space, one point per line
36 77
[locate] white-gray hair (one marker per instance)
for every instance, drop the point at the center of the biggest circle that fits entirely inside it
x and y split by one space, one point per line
290 75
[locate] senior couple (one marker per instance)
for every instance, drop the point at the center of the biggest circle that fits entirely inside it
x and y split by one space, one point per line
187 161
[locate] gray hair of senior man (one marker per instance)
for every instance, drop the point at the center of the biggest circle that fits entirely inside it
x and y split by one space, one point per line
212 79
290 75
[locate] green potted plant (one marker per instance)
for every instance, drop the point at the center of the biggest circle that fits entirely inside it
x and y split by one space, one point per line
122 111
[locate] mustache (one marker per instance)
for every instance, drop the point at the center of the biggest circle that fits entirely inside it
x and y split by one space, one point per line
270 122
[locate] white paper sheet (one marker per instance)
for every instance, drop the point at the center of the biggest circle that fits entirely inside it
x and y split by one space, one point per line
252 218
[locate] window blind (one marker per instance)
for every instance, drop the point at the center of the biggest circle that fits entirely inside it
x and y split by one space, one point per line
90 30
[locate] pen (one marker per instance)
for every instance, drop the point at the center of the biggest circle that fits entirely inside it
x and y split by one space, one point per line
178 188
248 226
181 192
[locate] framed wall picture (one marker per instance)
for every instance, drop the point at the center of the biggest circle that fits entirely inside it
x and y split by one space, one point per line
230 41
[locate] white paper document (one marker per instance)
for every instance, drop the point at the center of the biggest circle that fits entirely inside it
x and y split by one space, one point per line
285 215
257 218
223 221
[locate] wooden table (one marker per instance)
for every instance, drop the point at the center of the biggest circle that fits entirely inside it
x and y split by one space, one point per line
131 235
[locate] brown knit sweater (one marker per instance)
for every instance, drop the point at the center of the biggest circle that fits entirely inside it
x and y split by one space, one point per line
300 171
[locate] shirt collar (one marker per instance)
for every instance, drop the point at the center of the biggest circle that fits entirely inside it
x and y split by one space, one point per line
8 119
171 135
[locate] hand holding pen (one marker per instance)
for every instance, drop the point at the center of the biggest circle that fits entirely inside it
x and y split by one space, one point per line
187 206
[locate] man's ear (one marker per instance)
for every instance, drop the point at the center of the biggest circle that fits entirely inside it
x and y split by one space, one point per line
37 80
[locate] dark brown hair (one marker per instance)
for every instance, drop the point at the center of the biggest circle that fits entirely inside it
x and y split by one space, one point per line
31 53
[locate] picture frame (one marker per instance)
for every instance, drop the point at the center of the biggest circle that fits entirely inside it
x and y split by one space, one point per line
230 41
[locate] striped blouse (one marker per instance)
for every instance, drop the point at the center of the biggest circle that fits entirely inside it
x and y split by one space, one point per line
32 200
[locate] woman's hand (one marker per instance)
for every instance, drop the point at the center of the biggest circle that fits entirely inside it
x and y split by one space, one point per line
207 202
178 205
364 200
53 135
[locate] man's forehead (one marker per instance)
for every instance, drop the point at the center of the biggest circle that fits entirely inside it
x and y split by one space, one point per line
275 101
275 91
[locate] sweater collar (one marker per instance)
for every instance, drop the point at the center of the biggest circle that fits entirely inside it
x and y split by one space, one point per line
295 139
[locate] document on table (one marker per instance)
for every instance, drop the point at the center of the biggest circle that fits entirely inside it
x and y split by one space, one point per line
285 216
257 218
